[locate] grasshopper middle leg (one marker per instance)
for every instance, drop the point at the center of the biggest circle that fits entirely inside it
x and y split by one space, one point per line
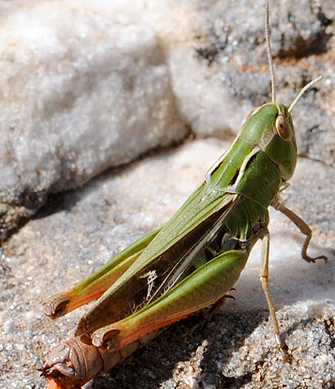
264 277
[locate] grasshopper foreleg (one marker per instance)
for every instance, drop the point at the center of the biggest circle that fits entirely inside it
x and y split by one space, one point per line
303 227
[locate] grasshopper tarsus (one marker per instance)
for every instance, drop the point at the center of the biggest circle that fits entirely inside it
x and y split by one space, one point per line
283 347
310 259
215 309
287 357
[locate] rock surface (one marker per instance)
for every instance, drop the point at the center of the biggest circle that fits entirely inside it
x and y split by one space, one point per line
220 76
80 91
85 88
80 230
108 82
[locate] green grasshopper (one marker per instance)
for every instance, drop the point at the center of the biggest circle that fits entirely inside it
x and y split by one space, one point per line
192 261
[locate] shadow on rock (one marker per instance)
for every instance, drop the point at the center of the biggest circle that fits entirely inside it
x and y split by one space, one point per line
154 363
226 334
160 363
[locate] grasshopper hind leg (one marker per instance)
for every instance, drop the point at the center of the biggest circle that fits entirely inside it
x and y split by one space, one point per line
200 289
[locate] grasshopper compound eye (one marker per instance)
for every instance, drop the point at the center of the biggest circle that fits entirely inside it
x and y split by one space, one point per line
283 127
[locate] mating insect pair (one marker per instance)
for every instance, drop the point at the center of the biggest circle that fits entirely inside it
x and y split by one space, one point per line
193 260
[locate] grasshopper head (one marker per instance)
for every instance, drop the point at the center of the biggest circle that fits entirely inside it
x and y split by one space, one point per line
270 128
283 124
282 149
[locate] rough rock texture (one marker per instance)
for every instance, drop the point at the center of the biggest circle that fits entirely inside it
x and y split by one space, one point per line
226 74
108 82
80 91
87 87
80 230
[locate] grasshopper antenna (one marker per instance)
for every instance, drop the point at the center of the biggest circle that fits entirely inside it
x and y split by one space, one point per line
303 90
269 51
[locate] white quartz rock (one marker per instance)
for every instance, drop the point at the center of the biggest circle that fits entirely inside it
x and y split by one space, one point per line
81 90
94 84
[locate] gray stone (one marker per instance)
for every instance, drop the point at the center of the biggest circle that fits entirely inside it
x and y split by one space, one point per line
108 82
80 230
81 90
223 74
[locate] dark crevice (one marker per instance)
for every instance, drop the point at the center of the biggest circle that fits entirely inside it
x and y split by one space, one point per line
31 199
38 204
330 330
208 53
217 43
316 44
301 48
233 382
